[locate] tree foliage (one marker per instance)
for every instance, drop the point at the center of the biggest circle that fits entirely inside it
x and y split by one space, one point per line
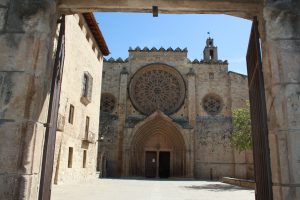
241 135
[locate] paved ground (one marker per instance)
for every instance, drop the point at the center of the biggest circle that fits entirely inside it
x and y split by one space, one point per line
122 189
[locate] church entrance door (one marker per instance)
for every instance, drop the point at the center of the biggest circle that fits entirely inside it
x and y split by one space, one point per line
150 164
157 164
164 164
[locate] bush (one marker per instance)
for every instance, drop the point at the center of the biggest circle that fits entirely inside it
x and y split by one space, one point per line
241 137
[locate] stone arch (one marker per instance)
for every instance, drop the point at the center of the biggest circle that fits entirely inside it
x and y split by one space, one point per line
158 133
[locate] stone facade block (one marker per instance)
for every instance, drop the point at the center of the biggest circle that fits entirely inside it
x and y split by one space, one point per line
11 92
206 136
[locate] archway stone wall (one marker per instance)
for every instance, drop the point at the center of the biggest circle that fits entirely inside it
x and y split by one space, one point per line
26 32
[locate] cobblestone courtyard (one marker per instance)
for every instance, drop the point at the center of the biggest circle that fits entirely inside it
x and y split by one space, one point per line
123 189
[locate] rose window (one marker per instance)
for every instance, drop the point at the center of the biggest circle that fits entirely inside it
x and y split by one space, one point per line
212 104
108 102
157 87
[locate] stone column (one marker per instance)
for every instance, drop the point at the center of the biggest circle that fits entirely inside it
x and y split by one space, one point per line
122 117
27 28
281 66
191 90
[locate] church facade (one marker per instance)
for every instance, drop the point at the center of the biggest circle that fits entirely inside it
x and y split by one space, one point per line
163 115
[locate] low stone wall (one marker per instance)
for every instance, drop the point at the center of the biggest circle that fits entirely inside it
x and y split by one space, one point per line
239 182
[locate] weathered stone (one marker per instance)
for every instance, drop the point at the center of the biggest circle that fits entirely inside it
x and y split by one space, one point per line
80 135
281 57
205 133
3 12
29 28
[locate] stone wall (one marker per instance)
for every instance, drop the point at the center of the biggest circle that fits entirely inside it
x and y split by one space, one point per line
214 158
80 58
207 137
26 32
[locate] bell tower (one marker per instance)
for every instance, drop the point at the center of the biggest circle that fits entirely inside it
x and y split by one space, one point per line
210 52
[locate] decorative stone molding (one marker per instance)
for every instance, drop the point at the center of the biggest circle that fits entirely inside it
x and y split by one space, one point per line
132 120
182 121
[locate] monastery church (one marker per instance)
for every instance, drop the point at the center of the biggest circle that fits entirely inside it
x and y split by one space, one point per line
163 115
160 114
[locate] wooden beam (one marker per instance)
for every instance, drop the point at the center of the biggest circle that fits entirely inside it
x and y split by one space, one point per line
241 8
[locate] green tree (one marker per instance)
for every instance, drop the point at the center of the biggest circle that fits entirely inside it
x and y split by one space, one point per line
241 137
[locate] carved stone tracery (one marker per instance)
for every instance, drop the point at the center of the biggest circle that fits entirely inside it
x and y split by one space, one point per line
108 102
157 87
212 104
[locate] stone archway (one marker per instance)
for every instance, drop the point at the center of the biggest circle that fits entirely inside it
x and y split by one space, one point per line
27 31
158 134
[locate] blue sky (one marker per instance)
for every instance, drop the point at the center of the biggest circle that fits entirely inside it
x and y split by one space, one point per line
124 30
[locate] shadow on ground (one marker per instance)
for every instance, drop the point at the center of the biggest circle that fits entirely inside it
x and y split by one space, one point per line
216 187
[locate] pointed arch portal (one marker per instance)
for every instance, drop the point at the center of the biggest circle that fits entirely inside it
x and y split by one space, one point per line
154 143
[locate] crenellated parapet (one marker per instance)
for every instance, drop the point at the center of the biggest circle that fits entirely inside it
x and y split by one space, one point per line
196 61
113 60
153 49
162 53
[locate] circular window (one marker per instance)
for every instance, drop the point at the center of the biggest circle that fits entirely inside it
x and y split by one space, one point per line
212 104
108 102
157 87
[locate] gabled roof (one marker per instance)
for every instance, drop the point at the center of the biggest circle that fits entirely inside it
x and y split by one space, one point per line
93 26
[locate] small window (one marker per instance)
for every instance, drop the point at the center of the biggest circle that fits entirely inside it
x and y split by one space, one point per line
211 75
70 157
211 53
87 85
84 159
71 114
87 126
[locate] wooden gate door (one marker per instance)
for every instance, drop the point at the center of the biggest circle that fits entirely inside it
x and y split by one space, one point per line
258 117
50 133
150 164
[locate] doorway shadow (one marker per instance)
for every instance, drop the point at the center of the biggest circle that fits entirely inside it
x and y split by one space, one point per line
217 187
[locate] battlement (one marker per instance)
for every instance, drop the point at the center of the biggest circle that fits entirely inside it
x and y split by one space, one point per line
196 61
113 60
153 49
161 53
